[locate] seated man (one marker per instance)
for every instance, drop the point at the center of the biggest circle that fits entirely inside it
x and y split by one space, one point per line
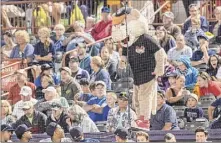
165 118
214 110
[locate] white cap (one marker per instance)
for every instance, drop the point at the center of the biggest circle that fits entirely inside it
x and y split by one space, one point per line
49 89
25 91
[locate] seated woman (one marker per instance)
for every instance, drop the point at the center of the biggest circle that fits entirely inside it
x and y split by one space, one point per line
9 44
175 95
190 73
44 49
6 113
166 41
23 50
214 69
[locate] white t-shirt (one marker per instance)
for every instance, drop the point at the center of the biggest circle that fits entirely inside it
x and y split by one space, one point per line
218 74
174 54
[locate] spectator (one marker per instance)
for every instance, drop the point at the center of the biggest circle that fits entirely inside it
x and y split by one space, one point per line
166 41
78 117
44 49
192 34
112 51
169 137
56 134
69 87
6 133
142 136
214 69
50 95
118 116
99 100
208 87
179 50
169 80
109 64
84 58
9 45
6 111
77 72
23 133
100 74
172 29
121 135
201 134
21 80
190 73
58 38
216 124
90 22
123 69
213 110
32 118
194 13
26 95
216 27
165 118
175 95
103 28
58 115
78 135
192 112
79 36
86 95
23 50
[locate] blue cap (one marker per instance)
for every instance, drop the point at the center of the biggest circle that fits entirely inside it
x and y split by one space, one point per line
20 130
5 127
76 132
105 9
51 128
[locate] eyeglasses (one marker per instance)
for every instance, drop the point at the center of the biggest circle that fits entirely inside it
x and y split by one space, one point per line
25 109
4 106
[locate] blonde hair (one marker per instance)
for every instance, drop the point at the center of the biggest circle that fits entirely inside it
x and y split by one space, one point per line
9 106
44 31
23 34
61 26
112 94
196 21
97 61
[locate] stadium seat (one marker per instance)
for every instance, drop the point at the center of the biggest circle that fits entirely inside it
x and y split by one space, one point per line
122 85
206 101
101 125
179 110
196 123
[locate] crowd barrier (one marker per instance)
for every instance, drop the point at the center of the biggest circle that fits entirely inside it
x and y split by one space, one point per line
155 136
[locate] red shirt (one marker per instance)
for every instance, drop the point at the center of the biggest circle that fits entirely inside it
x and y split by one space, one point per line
213 88
102 30
14 91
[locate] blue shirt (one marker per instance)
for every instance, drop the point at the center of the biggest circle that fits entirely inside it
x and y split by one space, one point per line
99 101
38 80
85 97
105 112
27 53
216 103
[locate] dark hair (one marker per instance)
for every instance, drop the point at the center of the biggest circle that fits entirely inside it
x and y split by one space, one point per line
168 136
92 86
201 129
218 61
7 34
161 93
193 5
141 133
51 80
84 82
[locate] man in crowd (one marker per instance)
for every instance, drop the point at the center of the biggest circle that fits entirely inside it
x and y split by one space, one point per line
142 136
21 80
165 118
23 133
215 105
26 95
121 135
32 118
69 87
201 135
6 133
56 134
169 138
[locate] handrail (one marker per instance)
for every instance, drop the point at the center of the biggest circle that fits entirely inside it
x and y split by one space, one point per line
32 1
14 72
64 56
159 9
19 62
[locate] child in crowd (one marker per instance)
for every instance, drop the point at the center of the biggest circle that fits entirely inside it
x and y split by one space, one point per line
192 111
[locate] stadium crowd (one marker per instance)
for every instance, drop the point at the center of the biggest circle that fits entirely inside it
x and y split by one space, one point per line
93 85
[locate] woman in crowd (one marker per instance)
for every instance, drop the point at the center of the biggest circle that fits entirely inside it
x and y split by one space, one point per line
214 69
6 111
111 48
9 44
216 27
79 117
23 50
100 74
166 41
175 95
44 49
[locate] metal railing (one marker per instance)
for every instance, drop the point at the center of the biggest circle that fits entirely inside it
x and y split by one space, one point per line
207 8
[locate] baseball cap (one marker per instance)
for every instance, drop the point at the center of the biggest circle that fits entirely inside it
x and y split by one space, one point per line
121 132
56 105
76 132
45 67
67 69
21 71
171 74
100 83
123 95
192 95
119 16
49 89
21 129
51 128
6 127
169 14
27 105
25 91
105 9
